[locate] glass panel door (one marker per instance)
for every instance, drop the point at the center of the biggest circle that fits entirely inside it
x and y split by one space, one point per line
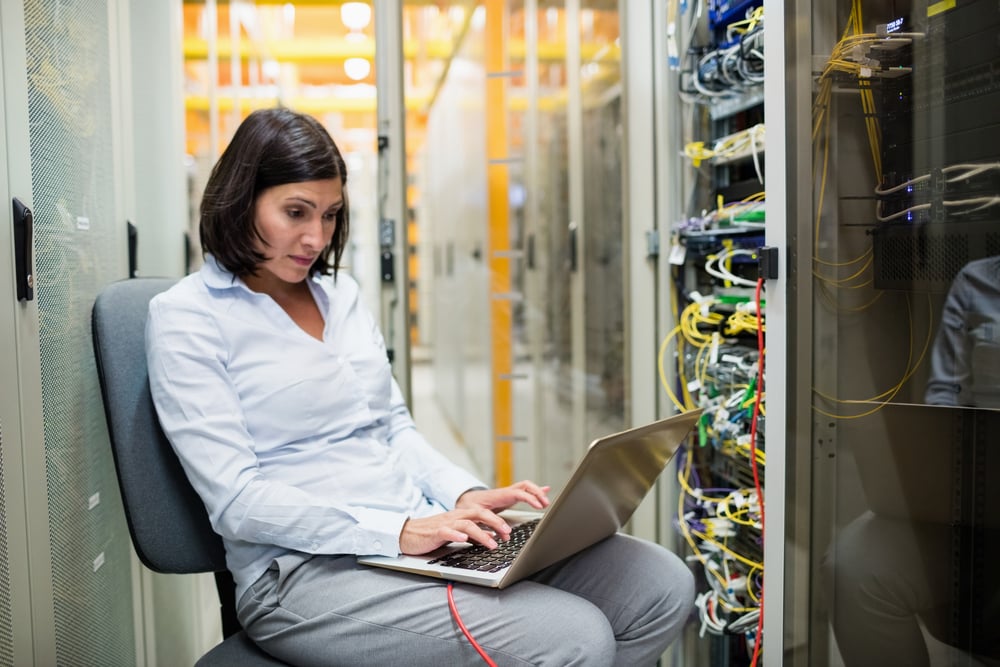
905 247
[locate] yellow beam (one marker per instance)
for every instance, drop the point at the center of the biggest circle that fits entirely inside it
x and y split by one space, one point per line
515 102
314 50
310 105
325 3
498 240
556 51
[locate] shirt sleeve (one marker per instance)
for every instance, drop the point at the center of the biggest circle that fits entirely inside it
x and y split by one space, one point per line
200 412
949 376
435 475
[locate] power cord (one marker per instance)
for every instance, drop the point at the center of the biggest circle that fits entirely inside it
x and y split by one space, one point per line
465 631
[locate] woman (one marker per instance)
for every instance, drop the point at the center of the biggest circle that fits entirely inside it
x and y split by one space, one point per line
272 383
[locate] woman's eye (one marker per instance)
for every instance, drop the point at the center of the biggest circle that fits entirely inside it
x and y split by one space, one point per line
294 213
330 217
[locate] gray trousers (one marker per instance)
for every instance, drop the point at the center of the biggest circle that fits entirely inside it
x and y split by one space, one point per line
887 576
620 602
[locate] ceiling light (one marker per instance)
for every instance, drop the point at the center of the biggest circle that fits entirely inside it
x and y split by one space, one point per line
357 69
356 15
270 68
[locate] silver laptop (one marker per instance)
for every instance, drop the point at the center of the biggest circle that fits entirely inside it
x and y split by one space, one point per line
607 486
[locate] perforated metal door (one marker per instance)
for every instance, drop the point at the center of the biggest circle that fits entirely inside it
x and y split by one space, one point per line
6 621
77 251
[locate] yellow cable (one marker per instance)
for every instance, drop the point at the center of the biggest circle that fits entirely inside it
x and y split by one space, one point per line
750 592
663 375
724 548
851 262
889 394
842 281
685 529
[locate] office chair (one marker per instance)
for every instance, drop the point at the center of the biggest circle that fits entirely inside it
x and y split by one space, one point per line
168 523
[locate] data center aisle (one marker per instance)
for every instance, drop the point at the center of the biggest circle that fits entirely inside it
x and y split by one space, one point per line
429 417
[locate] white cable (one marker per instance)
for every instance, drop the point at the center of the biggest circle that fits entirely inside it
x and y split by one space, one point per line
899 214
724 274
970 169
979 203
754 131
983 202
696 14
902 186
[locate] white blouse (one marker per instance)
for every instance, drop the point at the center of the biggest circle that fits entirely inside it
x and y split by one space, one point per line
294 444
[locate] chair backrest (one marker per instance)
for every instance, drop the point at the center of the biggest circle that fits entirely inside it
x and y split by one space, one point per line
167 521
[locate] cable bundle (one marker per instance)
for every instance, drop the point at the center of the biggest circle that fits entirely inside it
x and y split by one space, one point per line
732 68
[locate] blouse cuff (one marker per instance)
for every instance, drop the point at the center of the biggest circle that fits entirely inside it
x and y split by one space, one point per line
377 532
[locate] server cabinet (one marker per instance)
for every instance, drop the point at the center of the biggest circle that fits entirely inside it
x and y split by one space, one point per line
889 218
63 123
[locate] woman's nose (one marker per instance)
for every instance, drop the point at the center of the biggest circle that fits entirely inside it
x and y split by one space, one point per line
313 235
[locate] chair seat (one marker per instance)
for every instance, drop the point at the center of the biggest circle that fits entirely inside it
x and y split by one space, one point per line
238 651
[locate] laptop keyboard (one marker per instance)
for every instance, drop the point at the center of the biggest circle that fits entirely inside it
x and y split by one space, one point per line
478 557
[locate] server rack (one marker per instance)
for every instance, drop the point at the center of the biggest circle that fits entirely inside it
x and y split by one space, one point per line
711 357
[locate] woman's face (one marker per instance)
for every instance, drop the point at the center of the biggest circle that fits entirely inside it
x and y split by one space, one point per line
296 221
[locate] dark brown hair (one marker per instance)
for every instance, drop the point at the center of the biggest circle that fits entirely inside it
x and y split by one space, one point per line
271 147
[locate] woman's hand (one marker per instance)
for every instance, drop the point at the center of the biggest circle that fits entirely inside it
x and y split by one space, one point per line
500 499
474 518
478 525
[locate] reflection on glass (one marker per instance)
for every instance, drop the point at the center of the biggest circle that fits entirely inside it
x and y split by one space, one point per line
965 362
910 577
912 571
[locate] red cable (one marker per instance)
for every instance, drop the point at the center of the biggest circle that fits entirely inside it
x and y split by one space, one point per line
753 459
465 630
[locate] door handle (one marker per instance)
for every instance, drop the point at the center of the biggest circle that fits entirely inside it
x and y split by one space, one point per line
133 249
23 243
573 248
